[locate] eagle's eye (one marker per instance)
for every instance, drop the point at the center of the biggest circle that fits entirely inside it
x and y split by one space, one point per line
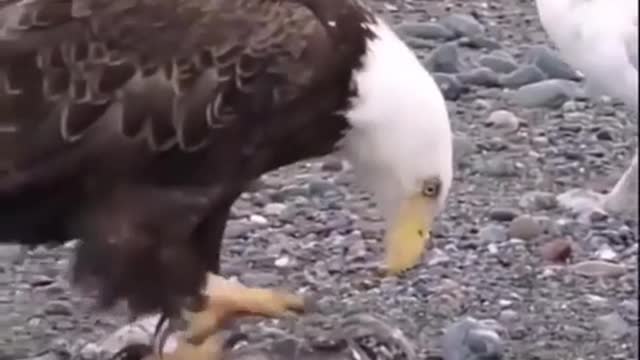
431 188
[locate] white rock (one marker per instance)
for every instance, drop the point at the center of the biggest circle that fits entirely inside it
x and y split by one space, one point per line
258 219
274 209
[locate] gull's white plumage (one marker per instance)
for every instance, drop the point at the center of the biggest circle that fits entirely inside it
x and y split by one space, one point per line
600 39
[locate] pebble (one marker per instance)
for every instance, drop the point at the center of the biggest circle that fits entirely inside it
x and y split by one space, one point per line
499 64
332 165
606 253
524 75
538 200
321 187
470 339
547 93
581 201
524 227
498 168
261 279
507 316
598 268
503 121
482 76
462 25
274 209
57 307
503 214
450 86
10 253
557 251
258 219
479 41
426 30
612 326
493 233
462 146
550 63
444 59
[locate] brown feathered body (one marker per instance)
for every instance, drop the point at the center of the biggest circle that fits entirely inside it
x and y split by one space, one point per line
134 125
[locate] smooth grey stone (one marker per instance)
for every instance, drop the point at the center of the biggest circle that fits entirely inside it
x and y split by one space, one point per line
426 30
503 214
525 227
503 121
419 44
462 25
548 93
470 339
550 63
525 75
538 200
612 326
493 233
482 76
479 41
450 86
498 64
444 59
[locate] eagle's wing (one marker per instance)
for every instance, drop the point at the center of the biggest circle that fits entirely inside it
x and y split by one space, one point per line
165 72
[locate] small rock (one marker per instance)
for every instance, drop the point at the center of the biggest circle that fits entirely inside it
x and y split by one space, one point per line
462 146
503 121
503 214
471 339
606 253
444 59
498 64
547 93
462 25
479 41
426 30
508 316
58 307
612 326
557 251
262 279
493 233
274 209
499 168
481 76
581 201
482 104
550 63
522 76
437 257
538 200
10 253
450 86
258 219
332 165
598 268
524 227
321 187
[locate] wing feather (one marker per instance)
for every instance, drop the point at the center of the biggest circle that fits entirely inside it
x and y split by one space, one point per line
178 69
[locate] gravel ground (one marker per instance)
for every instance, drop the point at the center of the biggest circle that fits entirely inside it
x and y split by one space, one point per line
525 134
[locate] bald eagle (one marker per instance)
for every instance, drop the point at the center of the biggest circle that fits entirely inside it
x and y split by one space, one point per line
134 125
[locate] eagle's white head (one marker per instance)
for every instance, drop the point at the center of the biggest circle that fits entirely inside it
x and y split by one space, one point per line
400 143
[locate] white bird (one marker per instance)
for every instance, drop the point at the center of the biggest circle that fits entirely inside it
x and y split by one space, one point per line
599 38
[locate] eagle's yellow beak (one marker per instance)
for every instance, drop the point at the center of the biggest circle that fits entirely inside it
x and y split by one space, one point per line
409 233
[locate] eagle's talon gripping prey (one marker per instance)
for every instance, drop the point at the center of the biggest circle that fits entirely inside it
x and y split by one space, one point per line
226 300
